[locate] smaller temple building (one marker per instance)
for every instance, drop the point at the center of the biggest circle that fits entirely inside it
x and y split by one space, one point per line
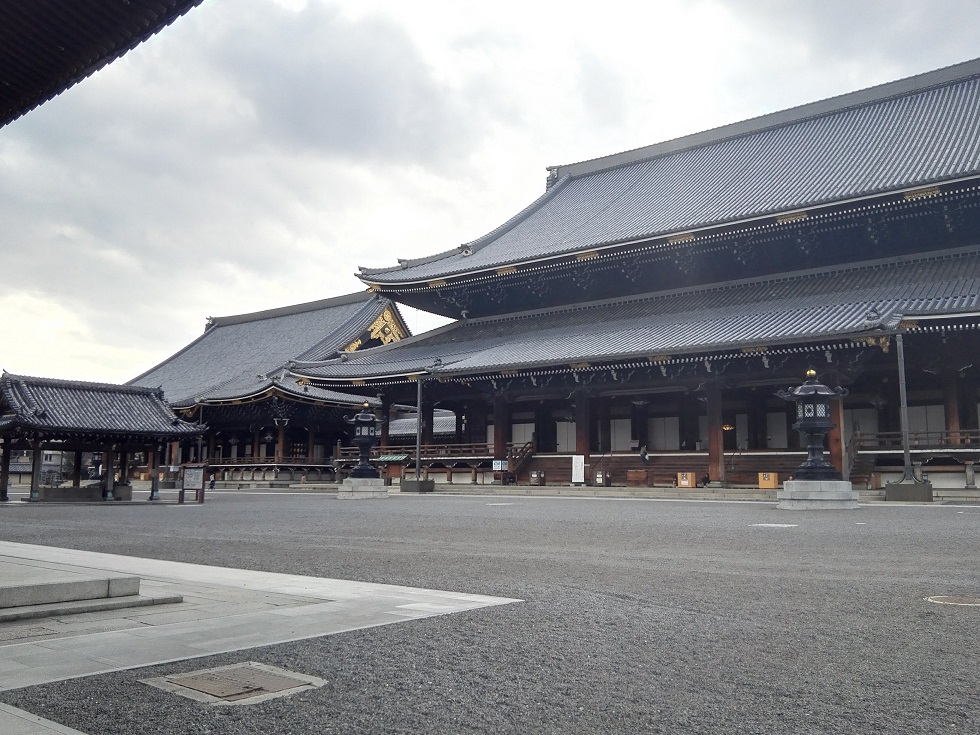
43 415
264 424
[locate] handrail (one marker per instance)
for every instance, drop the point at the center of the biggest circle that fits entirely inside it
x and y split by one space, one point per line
429 451
521 457
249 461
919 440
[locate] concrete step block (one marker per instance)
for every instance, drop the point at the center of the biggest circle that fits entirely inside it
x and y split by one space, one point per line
23 593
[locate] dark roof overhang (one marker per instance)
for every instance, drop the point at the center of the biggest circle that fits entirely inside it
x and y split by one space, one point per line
47 46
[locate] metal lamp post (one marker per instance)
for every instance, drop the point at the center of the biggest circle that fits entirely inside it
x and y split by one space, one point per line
813 413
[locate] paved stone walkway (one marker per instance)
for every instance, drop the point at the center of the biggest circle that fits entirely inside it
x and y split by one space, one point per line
223 610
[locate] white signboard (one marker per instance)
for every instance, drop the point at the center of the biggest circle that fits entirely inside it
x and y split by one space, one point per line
499 465
578 469
193 478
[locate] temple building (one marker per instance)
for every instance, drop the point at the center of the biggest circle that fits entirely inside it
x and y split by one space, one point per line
264 423
642 313
44 416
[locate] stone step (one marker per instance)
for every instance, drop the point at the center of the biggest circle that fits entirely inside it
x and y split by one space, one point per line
23 583
74 607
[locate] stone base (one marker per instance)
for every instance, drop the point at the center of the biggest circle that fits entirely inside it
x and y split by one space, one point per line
817 495
417 486
909 491
88 493
362 488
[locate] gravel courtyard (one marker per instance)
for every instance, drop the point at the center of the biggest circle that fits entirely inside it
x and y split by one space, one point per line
638 616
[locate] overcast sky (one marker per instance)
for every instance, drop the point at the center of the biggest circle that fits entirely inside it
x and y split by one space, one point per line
256 152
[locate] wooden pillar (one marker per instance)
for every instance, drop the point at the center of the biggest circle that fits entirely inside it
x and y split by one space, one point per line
583 425
427 417
280 443
110 473
5 451
153 466
968 404
76 474
460 422
758 427
37 458
501 427
716 435
951 406
835 438
385 428
123 468
212 441
603 436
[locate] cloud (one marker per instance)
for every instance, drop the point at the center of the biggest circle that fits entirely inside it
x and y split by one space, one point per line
319 82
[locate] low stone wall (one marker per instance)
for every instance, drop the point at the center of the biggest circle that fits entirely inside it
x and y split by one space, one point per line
88 493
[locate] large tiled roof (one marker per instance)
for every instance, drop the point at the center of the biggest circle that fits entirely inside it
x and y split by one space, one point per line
245 355
794 308
46 46
895 137
63 407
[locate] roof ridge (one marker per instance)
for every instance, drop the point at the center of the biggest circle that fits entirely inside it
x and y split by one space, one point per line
222 321
68 383
214 322
905 87
468 248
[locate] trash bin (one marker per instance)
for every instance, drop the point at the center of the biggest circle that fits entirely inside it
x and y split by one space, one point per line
601 478
687 479
537 477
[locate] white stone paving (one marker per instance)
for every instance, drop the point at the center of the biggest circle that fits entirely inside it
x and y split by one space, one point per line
224 610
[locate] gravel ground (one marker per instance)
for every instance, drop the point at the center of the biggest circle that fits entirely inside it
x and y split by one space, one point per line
639 616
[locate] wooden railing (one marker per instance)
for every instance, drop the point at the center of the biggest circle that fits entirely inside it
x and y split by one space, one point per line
918 440
270 461
429 451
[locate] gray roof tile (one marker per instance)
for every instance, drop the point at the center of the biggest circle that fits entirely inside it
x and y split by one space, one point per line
245 355
872 143
73 407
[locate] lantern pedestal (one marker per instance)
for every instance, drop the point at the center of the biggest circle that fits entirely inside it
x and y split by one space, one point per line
362 488
417 486
817 495
909 491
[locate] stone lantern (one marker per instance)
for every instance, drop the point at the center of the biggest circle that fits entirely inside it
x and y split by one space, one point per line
813 422
816 483
365 436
